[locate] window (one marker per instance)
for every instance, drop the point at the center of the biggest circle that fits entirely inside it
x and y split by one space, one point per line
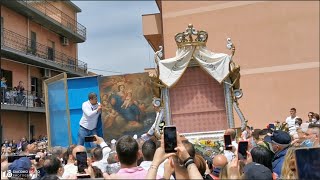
33 45
34 85
50 50
8 75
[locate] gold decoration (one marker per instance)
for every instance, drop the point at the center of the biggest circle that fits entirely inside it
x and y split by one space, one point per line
186 38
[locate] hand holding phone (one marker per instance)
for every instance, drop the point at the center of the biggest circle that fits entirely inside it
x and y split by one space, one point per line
242 150
170 139
89 139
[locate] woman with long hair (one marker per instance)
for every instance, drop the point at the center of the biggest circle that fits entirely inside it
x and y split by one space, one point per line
289 165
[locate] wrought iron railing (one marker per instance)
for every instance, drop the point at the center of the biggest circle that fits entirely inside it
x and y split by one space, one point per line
20 43
56 14
13 97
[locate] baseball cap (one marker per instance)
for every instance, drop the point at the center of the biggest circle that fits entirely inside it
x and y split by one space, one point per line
279 137
23 163
256 171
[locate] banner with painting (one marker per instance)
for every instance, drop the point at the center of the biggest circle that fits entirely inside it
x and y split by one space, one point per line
126 105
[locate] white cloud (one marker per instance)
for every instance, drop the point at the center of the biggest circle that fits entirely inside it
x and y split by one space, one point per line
115 39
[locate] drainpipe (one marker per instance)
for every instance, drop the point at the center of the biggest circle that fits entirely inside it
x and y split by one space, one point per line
166 98
28 28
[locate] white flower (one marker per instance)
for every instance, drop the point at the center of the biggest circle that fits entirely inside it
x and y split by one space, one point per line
221 148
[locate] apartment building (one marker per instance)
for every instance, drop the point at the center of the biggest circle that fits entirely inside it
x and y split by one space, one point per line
277 48
39 39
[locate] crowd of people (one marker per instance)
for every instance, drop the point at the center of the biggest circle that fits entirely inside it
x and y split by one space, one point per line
13 147
18 95
270 155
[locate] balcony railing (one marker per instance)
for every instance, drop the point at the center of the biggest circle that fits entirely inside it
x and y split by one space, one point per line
22 44
56 14
28 99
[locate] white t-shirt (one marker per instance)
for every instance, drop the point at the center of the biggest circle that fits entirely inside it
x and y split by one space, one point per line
292 125
69 170
90 115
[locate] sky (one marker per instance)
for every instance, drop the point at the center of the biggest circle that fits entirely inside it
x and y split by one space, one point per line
115 43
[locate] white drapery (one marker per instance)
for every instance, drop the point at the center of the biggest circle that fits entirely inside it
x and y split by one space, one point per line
216 64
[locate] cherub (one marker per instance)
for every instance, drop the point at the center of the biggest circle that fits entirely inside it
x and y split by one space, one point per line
128 101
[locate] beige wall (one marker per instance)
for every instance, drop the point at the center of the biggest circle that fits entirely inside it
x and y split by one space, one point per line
277 47
39 122
15 124
14 21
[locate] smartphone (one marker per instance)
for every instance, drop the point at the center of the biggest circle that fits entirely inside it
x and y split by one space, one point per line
271 126
89 139
227 142
308 163
81 161
242 150
13 158
83 176
170 138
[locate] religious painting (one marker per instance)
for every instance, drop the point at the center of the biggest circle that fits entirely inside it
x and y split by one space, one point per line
126 105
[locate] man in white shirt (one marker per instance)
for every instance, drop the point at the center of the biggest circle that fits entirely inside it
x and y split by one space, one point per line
291 121
88 123
100 154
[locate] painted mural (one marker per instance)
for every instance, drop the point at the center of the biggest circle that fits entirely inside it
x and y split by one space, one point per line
126 105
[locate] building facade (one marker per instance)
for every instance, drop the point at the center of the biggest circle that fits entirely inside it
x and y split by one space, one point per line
38 40
277 48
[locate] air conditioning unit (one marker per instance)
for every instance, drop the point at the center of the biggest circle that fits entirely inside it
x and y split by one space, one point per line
47 73
64 41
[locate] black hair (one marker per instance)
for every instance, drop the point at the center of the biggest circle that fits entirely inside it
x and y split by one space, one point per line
51 165
92 95
148 150
293 109
127 149
97 172
97 153
189 147
262 156
256 133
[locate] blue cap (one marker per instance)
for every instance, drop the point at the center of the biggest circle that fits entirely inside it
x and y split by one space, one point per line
23 163
279 137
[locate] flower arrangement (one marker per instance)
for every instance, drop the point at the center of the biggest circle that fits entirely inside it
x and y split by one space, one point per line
208 147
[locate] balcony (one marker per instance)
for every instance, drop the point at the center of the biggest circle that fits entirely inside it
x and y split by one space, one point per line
48 15
22 49
152 30
12 100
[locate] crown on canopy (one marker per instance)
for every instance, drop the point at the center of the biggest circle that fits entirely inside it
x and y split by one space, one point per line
186 38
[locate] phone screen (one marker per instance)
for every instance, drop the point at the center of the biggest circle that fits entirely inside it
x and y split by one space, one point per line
83 176
271 126
242 150
81 161
13 158
89 139
308 163
227 142
170 138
